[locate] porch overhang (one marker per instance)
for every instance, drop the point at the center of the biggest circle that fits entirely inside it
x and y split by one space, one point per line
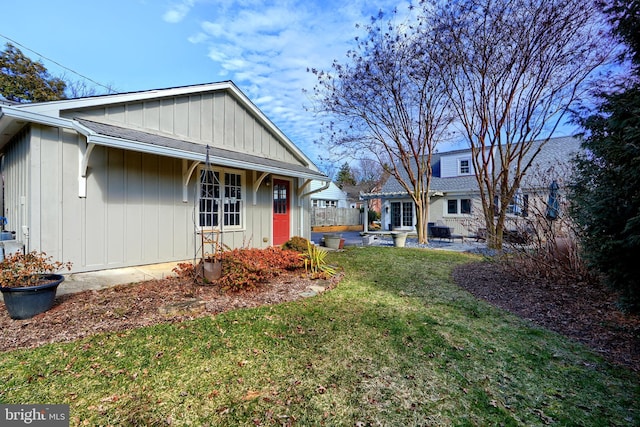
395 195
134 140
96 133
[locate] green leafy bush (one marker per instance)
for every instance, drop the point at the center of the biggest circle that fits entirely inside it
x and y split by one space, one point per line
605 195
296 243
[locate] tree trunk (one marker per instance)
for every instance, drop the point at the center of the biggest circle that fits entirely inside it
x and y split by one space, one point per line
422 219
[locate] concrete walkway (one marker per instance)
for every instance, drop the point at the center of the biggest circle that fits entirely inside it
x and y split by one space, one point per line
95 280
353 238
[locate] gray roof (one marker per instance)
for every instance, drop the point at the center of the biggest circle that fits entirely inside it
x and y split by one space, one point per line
554 152
192 150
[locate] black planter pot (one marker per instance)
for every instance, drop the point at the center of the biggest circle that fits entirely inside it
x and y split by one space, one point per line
25 302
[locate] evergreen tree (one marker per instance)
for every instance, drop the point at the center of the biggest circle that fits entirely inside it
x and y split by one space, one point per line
23 80
345 176
606 192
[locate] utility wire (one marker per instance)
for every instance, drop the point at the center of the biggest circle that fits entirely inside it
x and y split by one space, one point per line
59 65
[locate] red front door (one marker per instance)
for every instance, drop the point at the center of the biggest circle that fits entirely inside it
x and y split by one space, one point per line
281 208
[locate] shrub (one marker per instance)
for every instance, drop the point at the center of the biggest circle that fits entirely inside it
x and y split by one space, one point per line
605 195
245 268
184 270
18 269
296 243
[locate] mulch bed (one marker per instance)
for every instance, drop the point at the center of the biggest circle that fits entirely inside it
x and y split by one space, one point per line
587 314
135 305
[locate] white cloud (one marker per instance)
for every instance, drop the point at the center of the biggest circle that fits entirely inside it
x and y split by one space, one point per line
198 38
266 46
178 11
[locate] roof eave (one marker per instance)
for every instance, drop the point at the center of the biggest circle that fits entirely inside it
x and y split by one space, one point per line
126 144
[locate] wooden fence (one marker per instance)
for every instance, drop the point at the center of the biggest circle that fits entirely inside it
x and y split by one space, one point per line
335 216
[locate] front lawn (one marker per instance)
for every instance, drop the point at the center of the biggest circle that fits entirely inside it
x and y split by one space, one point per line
396 343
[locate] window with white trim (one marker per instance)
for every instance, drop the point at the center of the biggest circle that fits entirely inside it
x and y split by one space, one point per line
459 206
401 214
232 199
319 203
209 202
221 196
464 167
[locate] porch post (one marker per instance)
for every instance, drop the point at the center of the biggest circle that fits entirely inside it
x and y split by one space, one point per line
366 216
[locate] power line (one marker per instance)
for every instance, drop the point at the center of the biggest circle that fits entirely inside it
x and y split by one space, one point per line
58 64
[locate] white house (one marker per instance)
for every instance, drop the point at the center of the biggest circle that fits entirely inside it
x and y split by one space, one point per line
454 195
327 195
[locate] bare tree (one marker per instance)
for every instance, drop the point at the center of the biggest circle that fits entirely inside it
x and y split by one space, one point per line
390 102
513 70
368 173
82 88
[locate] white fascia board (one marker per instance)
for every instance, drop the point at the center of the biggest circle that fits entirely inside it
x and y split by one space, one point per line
54 107
29 116
125 144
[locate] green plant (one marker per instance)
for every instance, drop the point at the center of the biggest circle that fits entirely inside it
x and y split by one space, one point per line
605 194
20 270
315 261
296 243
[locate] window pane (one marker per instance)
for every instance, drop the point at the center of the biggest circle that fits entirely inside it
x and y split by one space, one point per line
464 167
280 199
233 198
452 206
209 198
465 206
407 214
395 214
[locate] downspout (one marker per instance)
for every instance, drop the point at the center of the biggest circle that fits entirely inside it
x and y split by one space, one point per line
301 198
317 190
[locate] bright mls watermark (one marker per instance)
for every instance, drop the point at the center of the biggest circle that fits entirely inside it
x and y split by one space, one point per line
34 415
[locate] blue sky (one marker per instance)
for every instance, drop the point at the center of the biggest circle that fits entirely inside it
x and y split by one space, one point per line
265 47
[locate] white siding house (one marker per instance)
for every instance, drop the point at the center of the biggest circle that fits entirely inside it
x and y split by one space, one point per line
454 195
327 197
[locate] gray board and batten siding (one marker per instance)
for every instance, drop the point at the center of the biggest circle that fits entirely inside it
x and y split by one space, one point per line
134 212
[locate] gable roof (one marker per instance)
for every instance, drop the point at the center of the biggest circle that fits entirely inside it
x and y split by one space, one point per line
13 118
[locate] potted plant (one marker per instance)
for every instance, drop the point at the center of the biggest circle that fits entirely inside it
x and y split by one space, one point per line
29 283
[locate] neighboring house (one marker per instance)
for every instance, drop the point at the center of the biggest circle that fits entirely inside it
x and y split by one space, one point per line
330 206
353 195
123 180
327 195
454 194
